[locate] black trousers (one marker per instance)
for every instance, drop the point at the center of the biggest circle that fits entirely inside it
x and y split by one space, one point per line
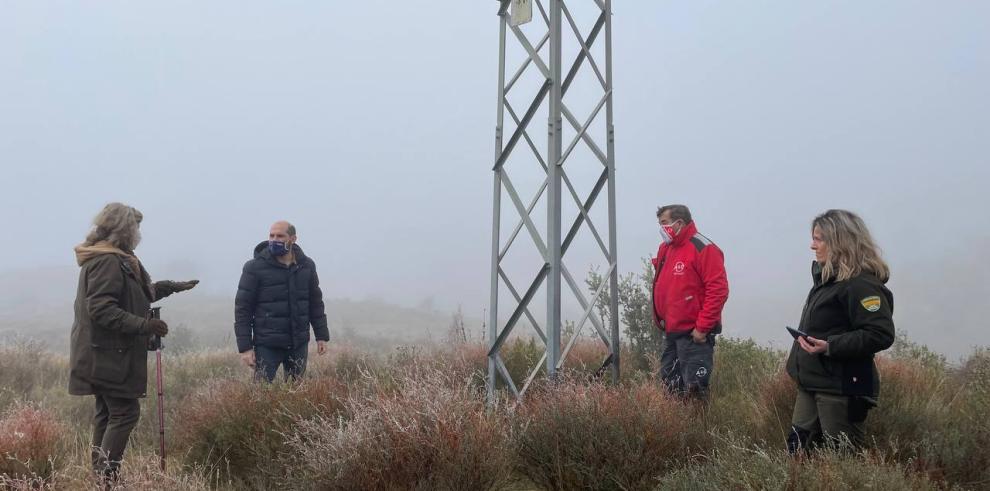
686 366
112 424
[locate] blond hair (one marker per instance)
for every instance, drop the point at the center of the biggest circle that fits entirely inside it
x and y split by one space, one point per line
117 224
851 248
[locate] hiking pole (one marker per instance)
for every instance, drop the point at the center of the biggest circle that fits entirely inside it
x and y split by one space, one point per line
156 313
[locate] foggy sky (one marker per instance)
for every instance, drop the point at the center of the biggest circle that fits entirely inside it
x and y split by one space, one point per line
370 126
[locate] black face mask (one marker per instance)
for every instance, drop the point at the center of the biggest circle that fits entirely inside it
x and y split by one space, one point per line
278 248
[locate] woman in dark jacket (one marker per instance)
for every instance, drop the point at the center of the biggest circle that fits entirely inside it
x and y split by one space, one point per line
847 319
108 355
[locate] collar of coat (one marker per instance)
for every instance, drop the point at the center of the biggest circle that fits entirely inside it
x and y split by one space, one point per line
261 252
85 253
685 234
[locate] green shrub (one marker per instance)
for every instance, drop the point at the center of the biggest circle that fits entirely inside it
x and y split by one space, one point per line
520 356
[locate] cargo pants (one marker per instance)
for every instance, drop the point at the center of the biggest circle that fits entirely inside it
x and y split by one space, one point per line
828 419
686 366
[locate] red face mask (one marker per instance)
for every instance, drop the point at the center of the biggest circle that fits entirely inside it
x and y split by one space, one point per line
667 233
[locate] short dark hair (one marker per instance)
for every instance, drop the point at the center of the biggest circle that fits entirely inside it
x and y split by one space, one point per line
677 212
292 230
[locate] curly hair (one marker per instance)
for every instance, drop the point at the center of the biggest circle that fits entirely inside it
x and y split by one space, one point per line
117 224
851 248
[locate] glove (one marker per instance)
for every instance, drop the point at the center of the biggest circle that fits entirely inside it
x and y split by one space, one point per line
181 286
156 327
166 287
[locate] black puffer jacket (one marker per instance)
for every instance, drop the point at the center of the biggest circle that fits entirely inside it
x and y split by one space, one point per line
276 304
855 316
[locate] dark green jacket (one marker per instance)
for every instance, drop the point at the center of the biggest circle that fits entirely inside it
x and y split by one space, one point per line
855 317
108 351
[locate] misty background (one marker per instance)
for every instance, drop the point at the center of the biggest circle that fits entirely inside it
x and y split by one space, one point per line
370 126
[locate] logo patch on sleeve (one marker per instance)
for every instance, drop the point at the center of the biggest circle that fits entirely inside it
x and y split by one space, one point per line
871 304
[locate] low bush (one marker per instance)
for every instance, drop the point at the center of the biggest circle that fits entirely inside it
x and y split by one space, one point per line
29 442
28 371
596 436
751 393
734 465
237 430
427 435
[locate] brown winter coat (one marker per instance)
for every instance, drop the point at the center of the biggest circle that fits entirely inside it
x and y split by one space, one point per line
108 351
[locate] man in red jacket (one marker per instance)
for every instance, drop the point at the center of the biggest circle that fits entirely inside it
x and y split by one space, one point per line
689 291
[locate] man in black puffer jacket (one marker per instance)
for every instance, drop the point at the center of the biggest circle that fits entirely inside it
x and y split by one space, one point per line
278 298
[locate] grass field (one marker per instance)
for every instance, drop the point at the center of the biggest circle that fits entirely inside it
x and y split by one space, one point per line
416 418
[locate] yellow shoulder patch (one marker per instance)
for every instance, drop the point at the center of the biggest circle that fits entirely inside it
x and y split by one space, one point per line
871 304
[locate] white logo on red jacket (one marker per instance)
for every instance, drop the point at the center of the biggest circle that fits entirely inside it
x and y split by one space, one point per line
679 268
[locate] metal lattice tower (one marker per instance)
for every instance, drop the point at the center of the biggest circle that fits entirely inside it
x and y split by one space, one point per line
551 88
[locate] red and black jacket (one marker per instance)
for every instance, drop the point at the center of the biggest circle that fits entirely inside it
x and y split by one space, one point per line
690 285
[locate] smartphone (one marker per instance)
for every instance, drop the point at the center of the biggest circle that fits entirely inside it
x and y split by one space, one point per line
795 333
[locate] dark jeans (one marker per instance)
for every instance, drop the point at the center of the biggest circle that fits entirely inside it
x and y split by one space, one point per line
686 366
267 361
112 425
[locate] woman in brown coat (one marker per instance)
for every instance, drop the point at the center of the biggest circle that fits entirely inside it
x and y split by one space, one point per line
108 355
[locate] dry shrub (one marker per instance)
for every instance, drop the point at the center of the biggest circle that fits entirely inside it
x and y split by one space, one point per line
586 356
596 436
143 472
27 370
342 362
973 379
427 435
767 419
735 465
462 365
751 393
521 354
236 430
468 361
8 483
910 405
139 472
29 442
931 421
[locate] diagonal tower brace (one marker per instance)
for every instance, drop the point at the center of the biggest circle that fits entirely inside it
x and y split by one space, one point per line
551 243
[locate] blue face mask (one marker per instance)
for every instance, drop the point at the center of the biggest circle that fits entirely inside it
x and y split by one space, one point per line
277 248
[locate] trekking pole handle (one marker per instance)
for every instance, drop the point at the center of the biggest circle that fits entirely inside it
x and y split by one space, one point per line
155 343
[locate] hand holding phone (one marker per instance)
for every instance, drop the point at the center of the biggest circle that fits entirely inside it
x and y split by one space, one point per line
796 333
